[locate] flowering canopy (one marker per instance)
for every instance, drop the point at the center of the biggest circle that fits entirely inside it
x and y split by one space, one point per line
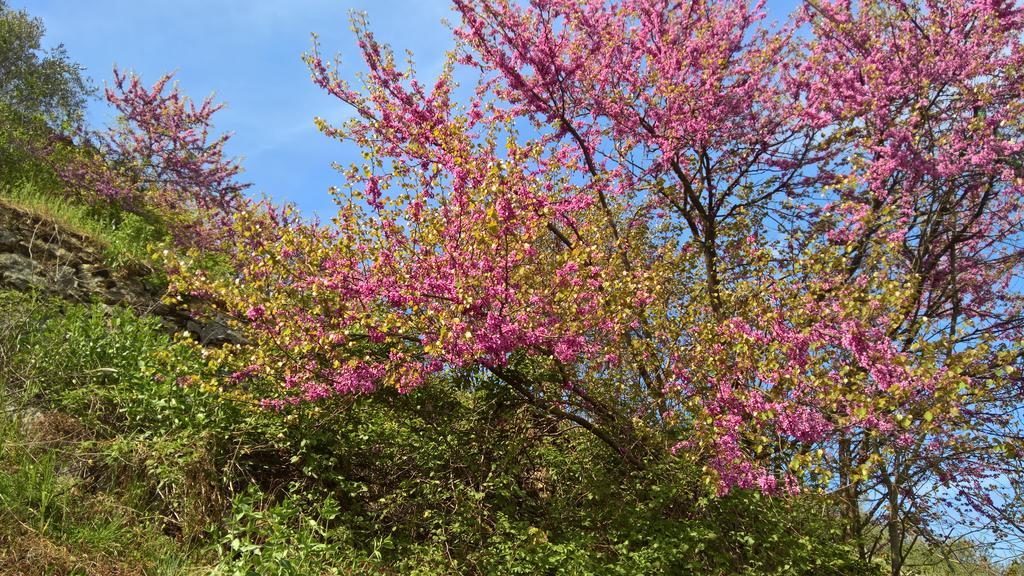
161 156
789 254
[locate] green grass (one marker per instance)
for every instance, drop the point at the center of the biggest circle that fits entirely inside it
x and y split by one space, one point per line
69 501
124 238
55 519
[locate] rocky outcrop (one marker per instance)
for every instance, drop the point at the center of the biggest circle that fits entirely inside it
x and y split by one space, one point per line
37 254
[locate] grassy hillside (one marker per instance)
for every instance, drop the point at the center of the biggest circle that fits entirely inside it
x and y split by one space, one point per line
122 237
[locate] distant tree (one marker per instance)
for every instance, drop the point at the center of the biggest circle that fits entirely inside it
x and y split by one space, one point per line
162 156
42 92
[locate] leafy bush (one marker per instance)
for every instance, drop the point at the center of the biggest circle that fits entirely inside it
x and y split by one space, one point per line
459 477
42 92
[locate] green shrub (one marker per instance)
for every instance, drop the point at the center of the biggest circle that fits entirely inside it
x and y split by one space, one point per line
455 477
54 519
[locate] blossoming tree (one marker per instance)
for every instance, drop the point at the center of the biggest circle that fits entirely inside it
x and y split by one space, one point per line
161 157
787 254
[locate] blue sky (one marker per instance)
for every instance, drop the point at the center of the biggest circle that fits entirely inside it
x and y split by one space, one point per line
248 52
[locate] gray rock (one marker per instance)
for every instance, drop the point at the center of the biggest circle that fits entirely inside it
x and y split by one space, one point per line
20 272
37 254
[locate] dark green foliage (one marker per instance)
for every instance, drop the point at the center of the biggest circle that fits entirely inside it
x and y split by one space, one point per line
33 81
453 478
42 97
